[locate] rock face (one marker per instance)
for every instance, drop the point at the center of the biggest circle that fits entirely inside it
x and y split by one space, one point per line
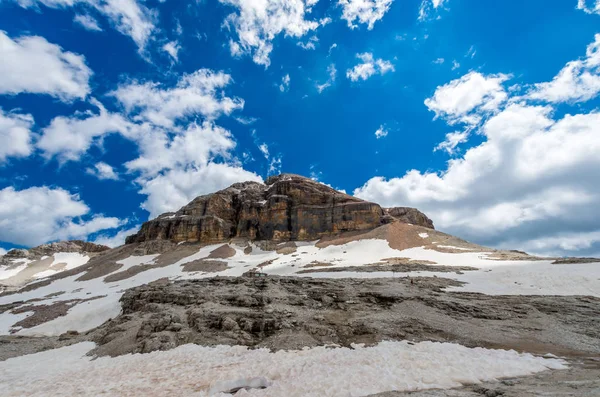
410 215
287 207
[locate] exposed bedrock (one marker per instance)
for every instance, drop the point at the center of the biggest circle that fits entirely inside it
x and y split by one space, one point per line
287 207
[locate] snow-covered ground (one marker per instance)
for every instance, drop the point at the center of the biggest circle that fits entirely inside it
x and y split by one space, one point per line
492 277
193 370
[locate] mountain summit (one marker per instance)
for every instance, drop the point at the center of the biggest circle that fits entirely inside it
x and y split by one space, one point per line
288 207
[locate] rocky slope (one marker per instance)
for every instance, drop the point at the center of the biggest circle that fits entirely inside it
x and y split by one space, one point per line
287 207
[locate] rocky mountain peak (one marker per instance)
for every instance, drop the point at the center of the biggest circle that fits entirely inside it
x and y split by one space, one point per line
286 207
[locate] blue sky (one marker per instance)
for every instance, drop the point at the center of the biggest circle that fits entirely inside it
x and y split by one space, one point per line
482 115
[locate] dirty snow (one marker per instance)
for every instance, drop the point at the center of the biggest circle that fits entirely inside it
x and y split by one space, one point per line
321 371
453 247
8 273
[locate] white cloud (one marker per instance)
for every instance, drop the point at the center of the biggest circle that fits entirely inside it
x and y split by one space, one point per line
199 93
175 188
578 81
38 215
364 11
15 135
117 239
285 83
264 149
462 100
311 44
455 65
439 61
3 251
68 138
583 5
453 139
87 22
64 74
427 6
128 16
332 76
103 171
368 67
172 48
381 132
257 23
532 183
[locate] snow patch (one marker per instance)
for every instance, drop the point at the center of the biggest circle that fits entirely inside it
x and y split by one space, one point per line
423 235
320 371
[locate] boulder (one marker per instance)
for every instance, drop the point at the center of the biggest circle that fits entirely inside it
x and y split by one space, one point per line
409 215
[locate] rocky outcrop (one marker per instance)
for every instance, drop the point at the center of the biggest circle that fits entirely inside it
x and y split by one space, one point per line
52 248
287 207
410 215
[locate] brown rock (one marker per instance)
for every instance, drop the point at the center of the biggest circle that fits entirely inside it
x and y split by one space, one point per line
409 215
288 207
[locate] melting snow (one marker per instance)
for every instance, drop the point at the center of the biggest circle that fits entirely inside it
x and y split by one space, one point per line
320 371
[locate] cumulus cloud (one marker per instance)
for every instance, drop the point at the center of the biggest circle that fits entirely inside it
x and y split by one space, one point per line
364 11
127 16
578 81
463 99
257 23
64 75
68 138
369 67
199 93
38 215
532 184
453 139
103 171
332 71
87 22
15 135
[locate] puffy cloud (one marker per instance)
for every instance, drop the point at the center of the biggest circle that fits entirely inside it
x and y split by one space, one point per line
68 138
332 76
257 23
381 132
172 48
453 139
364 11
38 215
64 74
116 239
285 83
199 93
462 100
578 81
174 170
128 16
171 190
368 67
87 22
15 135
532 184
103 171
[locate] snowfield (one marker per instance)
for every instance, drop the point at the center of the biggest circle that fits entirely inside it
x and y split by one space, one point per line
493 277
192 370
